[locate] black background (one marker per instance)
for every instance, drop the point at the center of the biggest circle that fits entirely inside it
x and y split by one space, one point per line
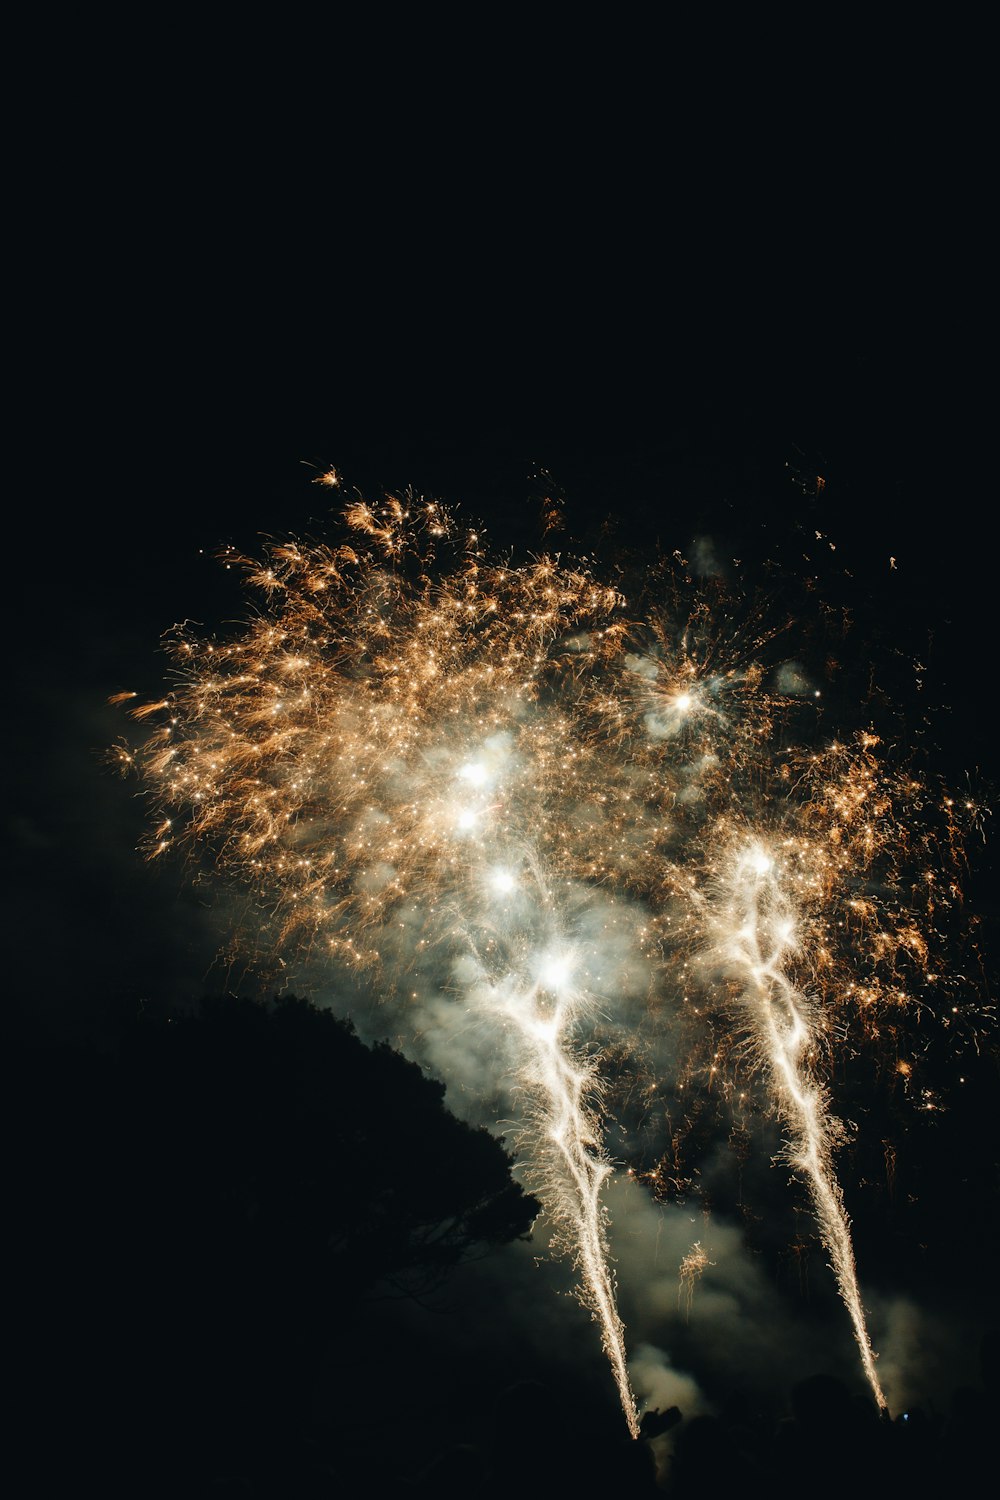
676 308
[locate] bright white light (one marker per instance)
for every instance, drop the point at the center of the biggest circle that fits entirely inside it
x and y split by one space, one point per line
503 882
475 773
760 862
545 1031
467 819
683 702
555 973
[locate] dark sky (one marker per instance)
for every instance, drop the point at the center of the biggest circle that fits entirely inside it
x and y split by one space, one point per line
677 280
200 426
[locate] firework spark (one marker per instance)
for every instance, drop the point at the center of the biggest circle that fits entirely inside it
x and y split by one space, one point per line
692 1267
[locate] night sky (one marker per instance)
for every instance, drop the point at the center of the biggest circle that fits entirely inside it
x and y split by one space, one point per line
655 419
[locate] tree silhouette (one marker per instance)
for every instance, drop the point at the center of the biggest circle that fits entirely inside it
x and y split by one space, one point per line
206 1211
279 1128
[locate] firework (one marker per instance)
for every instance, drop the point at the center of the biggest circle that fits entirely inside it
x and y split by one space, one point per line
753 921
803 898
428 763
384 756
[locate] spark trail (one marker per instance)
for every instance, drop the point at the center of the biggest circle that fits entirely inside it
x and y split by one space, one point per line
568 1164
755 934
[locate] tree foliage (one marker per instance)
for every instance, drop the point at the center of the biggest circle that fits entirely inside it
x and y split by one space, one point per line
205 1211
276 1131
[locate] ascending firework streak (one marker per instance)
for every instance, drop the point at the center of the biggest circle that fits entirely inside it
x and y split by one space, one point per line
568 1164
754 927
529 976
